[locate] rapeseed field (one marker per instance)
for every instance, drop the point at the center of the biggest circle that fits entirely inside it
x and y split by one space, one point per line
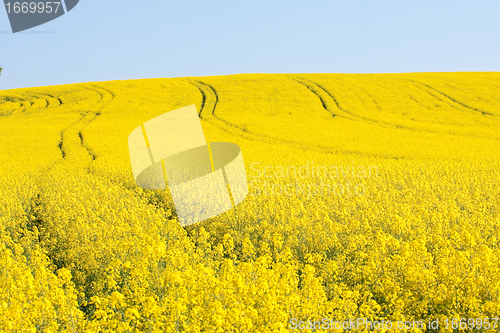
371 196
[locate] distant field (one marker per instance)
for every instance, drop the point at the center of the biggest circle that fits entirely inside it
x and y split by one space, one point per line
370 196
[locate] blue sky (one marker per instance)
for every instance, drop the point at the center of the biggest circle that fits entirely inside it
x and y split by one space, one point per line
124 39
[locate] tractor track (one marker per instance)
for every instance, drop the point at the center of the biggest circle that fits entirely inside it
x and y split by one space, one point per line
35 215
448 99
200 86
87 117
27 98
352 116
252 136
312 89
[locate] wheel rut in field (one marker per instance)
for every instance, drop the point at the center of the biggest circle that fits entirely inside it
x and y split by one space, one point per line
74 134
445 98
205 91
345 113
209 93
25 102
106 97
314 89
75 130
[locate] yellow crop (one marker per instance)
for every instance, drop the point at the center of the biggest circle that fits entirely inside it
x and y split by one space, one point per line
371 196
